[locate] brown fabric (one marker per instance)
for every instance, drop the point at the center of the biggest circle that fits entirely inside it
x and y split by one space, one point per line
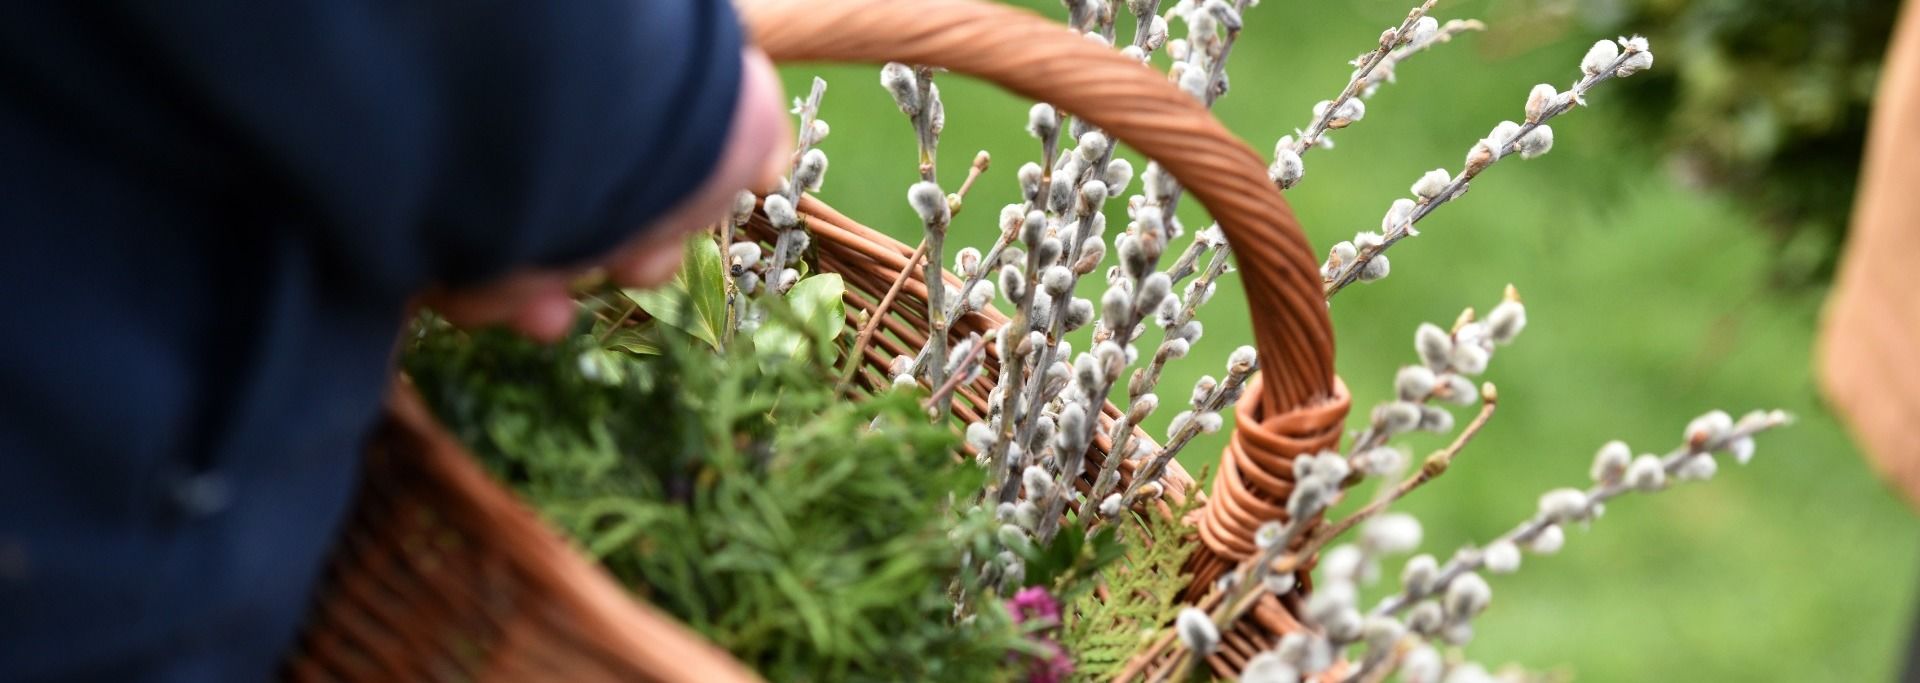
1869 349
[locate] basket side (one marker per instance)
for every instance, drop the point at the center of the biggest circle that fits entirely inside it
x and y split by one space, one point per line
443 575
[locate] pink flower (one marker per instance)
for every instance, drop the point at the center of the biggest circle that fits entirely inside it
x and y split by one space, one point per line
1034 602
1036 608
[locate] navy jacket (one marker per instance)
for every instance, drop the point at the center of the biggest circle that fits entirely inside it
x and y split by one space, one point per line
211 215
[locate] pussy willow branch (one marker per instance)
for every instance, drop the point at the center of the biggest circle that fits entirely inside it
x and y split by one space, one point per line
1372 437
1327 119
1436 464
1351 272
1121 435
1223 394
1528 530
872 325
1228 606
963 369
1013 364
1056 324
809 110
925 125
1367 72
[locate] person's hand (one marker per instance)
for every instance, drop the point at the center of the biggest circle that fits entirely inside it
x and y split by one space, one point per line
539 302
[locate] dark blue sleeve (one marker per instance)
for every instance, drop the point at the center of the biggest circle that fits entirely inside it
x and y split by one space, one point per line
450 141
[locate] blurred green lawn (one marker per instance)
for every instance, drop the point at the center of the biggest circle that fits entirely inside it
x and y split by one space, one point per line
1648 306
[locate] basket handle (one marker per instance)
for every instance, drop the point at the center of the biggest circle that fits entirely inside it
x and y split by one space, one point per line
1028 54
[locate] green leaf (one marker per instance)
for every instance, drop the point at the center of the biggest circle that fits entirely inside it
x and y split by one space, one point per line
816 312
639 340
695 302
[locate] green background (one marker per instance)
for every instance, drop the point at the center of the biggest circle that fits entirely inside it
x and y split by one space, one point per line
1648 305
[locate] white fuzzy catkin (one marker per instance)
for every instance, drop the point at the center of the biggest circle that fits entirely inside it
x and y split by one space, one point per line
1029 176
743 207
1422 665
1118 174
1708 428
1414 382
1435 419
900 83
1610 463
1697 468
1424 30
1467 596
1502 135
747 254
1506 321
1431 184
1548 541
1426 618
1536 142
1013 282
1459 390
1278 583
1351 110
1398 215
1469 359
1056 280
1434 345
1599 58
1038 481
1741 449
780 211
812 171
1042 122
1560 505
1397 417
1197 631
1287 168
1502 557
1383 461
1391 534
1267 667
1540 101
980 436
1244 359
1634 63
1375 269
1646 474
1341 564
930 202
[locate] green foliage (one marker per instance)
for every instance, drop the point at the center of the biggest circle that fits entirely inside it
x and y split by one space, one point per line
1102 631
813 310
811 536
1070 563
695 302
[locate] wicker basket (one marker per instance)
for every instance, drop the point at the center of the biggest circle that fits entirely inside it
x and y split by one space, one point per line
442 574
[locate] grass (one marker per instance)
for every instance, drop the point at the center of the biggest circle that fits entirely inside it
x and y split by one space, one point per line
1648 305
